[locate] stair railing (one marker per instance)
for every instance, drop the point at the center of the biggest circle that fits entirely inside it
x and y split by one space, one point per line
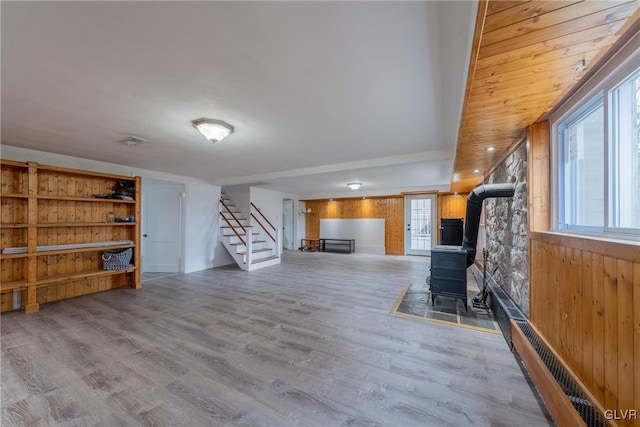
273 229
234 229
232 215
229 223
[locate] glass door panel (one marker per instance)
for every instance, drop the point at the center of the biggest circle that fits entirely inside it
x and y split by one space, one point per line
419 219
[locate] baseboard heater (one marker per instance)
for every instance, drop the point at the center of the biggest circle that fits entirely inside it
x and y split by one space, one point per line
569 403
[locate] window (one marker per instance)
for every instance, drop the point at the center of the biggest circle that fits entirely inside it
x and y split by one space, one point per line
598 148
624 210
582 157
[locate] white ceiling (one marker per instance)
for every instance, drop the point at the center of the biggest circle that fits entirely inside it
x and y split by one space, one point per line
320 93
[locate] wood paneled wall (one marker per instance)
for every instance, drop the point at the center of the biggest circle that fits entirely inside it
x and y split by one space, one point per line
585 300
539 176
451 206
523 62
389 208
584 295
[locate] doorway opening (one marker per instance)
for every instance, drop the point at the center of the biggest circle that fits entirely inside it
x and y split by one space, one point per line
420 215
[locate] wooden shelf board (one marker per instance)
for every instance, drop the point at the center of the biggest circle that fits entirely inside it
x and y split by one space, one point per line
57 169
85 199
13 256
13 163
66 251
12 286
83 224
14 225
71 251
61 278
15 195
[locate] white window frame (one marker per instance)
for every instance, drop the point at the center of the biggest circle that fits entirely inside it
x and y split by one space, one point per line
609 135
586 109
623 64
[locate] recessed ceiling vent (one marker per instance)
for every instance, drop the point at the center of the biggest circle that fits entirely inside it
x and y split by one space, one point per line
133 140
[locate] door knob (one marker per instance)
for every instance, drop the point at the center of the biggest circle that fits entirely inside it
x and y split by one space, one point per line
144 235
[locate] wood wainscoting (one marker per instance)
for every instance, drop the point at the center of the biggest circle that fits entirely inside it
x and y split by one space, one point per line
585 301
389 208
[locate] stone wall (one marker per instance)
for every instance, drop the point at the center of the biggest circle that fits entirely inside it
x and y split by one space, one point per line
507 229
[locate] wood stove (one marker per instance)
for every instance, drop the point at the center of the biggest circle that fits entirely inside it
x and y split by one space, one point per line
449 263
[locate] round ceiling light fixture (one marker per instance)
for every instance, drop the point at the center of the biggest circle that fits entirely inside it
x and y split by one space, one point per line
213 130
354 185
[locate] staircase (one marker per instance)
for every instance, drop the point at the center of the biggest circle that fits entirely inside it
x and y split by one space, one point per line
251 239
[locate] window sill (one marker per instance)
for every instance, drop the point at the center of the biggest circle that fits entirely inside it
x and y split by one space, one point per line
626 249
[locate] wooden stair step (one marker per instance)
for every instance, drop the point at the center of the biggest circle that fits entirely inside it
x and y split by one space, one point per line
257 261
255 241
255 251
255 233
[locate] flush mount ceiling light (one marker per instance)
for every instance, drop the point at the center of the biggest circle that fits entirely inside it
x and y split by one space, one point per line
213 130
133 141
492 148
476 171
354 185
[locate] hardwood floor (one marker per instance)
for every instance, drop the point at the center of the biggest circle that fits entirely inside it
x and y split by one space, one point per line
308 342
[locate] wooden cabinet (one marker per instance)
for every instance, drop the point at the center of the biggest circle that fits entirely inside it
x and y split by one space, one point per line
54 231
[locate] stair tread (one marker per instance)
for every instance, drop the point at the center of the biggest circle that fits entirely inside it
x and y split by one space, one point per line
255 233
256 261
237 226
254 241
255 251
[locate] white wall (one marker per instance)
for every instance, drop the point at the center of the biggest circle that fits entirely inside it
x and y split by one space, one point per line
301 222
201 203
270 204
240 195
367 232
203 247
288 224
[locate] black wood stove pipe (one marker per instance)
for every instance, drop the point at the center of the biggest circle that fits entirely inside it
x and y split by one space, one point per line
474 209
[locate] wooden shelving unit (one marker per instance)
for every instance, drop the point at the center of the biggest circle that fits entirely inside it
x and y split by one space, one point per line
52 206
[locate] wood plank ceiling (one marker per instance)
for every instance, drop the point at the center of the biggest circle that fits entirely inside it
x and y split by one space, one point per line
526 58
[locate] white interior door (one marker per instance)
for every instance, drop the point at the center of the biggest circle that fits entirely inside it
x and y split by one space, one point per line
161 226
420 214
287 224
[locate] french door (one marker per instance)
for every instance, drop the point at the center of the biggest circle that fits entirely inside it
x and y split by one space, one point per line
420 224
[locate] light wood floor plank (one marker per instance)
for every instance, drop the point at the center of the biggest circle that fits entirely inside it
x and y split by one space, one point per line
305 343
